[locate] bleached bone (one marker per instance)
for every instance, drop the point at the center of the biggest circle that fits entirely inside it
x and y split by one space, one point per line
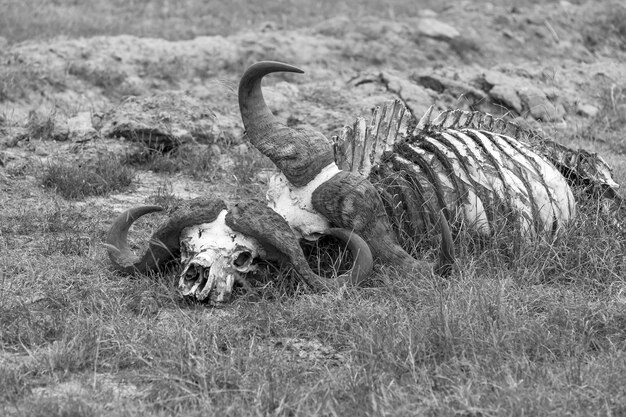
362 145
213 258
580 167
295 205
466 168
218 246
467 164
346 199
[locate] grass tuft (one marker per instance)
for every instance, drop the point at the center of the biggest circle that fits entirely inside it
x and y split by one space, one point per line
166 198
75 181
200 163
15 384
64 406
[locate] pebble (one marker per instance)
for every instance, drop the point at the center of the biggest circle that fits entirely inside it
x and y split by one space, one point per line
587 110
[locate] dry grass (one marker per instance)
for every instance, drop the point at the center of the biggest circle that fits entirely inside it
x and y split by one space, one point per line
538 330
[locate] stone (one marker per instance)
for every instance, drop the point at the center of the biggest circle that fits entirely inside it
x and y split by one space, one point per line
507 95
163 121
586 110
538 104
415 97
80 127
434 28
519 95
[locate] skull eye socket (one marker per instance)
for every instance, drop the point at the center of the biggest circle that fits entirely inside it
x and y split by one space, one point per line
243 259
193 272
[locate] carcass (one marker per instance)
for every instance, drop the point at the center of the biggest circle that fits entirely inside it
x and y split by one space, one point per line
378 188
310 197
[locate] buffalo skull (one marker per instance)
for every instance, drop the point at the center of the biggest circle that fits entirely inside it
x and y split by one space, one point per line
218 247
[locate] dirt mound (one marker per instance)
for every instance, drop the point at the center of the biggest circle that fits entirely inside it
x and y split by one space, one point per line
555 66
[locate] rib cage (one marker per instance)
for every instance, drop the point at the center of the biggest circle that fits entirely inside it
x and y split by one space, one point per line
461 163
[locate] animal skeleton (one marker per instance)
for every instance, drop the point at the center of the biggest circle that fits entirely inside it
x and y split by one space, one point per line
452 169
485 173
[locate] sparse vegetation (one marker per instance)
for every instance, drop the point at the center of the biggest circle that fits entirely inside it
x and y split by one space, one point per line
164 197
111 82
611 118
604 30
18 79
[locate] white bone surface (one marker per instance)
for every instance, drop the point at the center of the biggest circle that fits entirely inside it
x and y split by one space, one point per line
295 205
215 247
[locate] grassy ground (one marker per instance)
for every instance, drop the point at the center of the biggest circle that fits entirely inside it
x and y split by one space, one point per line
538 332
175 20
521 329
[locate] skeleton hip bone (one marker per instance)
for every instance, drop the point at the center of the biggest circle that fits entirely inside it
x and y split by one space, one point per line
214 257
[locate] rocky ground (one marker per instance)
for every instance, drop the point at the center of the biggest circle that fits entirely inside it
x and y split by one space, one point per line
557 66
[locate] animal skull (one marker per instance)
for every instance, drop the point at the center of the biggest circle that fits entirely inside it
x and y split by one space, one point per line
217 246
214 257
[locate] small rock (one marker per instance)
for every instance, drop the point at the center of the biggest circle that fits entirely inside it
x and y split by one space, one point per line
522 96
511 35
240 149
15 136
215 149
415 97
586 110
507 95
264 175
163 121
539 106
60 132
334 27
493 78
80 127
41 151
268 26
434 28
427 13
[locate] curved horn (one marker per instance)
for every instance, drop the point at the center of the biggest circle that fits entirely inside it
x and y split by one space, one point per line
363 260
350 201
120 253
164 244
274 234
446 252
254 112
300 154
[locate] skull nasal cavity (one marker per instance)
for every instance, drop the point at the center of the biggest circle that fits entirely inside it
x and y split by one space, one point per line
243 258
